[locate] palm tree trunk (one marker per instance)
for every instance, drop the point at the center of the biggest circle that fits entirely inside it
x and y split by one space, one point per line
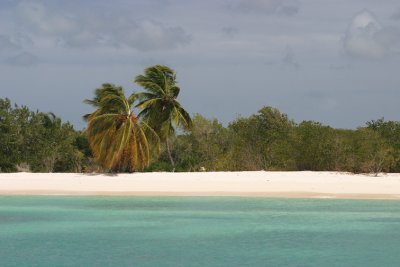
170 155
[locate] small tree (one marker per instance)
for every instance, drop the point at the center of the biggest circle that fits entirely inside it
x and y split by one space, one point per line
314 146
373 152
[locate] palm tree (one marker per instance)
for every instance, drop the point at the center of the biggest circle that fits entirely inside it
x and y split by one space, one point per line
159 107
119 141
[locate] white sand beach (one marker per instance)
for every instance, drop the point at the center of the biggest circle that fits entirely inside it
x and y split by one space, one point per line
258 184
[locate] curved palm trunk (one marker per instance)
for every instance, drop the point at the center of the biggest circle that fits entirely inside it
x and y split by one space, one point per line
169 154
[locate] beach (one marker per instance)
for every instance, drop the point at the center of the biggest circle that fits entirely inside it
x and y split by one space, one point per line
250 184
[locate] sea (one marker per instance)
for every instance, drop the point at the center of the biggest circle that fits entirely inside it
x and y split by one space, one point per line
197 231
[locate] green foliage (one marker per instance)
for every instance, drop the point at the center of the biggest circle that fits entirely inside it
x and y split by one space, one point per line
373 154
262 141
210 142
203 147
390 132
269 140
158 104
314 146
118 140
39 141
9 137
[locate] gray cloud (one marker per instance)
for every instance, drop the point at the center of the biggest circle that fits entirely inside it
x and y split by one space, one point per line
146 62
24 59
22 39
8 45
101 41
396 15
390 38
266 7
98 30
229 32
7 3
39 19
322 100
289 59
340 67
150 35
288 10
367 38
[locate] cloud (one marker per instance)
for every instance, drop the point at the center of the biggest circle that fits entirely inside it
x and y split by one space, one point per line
396 15
23 59
150 35
367 38
150 61
289 59
266 7
323 100
340 67
71 30
288 10
39 19
229 32
7 3
8 45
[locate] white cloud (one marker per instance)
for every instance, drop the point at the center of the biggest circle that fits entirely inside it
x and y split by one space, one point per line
97 30
23 59
367 38
266 7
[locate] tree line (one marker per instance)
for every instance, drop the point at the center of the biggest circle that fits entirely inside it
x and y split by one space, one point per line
138 133
269 140
39 142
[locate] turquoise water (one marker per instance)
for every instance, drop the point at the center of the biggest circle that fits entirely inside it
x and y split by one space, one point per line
194 231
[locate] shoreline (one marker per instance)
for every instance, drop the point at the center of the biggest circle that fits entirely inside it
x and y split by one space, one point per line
313 185
288 195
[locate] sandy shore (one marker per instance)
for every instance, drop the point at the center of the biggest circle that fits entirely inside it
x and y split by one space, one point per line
260 184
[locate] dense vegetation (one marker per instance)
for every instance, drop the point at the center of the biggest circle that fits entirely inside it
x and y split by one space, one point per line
39 142
269 140
118 140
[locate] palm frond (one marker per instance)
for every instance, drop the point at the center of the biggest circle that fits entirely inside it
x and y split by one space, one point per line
158 105
175 91
148 103
117 138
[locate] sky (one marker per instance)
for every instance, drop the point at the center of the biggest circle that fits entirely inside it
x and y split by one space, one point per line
336 62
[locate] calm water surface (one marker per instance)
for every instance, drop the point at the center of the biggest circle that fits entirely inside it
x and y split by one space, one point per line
194 231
